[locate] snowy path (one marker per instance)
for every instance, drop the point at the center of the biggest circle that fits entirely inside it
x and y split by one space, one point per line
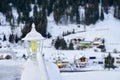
9 70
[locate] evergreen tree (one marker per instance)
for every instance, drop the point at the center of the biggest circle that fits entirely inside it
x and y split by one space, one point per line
49 35
50 6
73 31
25 30
77 17
57 43
11 38
63 34
91 12
60 11
4 38
57 12
9 15
105 4
35 15
63 44
71 46
102 15
16 39
109 62
42 23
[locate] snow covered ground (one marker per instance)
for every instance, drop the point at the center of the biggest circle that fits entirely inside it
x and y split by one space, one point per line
10 70
94 75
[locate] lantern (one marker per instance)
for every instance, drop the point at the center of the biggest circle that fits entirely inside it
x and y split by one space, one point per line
34 44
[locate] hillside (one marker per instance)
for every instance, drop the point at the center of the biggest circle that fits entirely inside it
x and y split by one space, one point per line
81 12
108 29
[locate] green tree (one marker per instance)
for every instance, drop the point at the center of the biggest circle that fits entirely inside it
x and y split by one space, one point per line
105 5
71 46
11 38
16 39
102 15
57 43
42 23
63 44
109 62
4 38
26 29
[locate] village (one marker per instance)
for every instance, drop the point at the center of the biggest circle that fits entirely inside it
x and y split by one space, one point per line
85 58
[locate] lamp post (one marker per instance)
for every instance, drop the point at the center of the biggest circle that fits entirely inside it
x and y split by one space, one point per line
34 44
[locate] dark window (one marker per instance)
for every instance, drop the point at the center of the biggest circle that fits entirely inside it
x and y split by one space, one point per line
100 62
92 57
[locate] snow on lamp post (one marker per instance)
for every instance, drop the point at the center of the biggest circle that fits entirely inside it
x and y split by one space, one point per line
34 43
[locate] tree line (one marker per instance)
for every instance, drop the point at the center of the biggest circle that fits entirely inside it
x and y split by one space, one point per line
64 12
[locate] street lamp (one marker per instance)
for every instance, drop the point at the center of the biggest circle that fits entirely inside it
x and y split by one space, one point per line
34 44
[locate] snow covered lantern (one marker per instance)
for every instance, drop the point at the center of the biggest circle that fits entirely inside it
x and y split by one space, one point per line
34 44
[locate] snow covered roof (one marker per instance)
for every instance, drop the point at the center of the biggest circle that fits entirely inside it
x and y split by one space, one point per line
33 35
58 56
8 51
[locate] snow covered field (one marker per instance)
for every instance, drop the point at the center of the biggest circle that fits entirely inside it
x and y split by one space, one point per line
95 75
10 70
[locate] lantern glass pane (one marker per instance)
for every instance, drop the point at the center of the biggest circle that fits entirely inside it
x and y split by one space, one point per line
33 46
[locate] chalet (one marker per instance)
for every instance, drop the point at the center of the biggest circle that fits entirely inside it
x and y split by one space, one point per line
60 60
98 41
62 64
96 60
117 61
80 62
85 44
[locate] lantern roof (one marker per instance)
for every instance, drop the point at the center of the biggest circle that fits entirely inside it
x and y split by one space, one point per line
33 35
